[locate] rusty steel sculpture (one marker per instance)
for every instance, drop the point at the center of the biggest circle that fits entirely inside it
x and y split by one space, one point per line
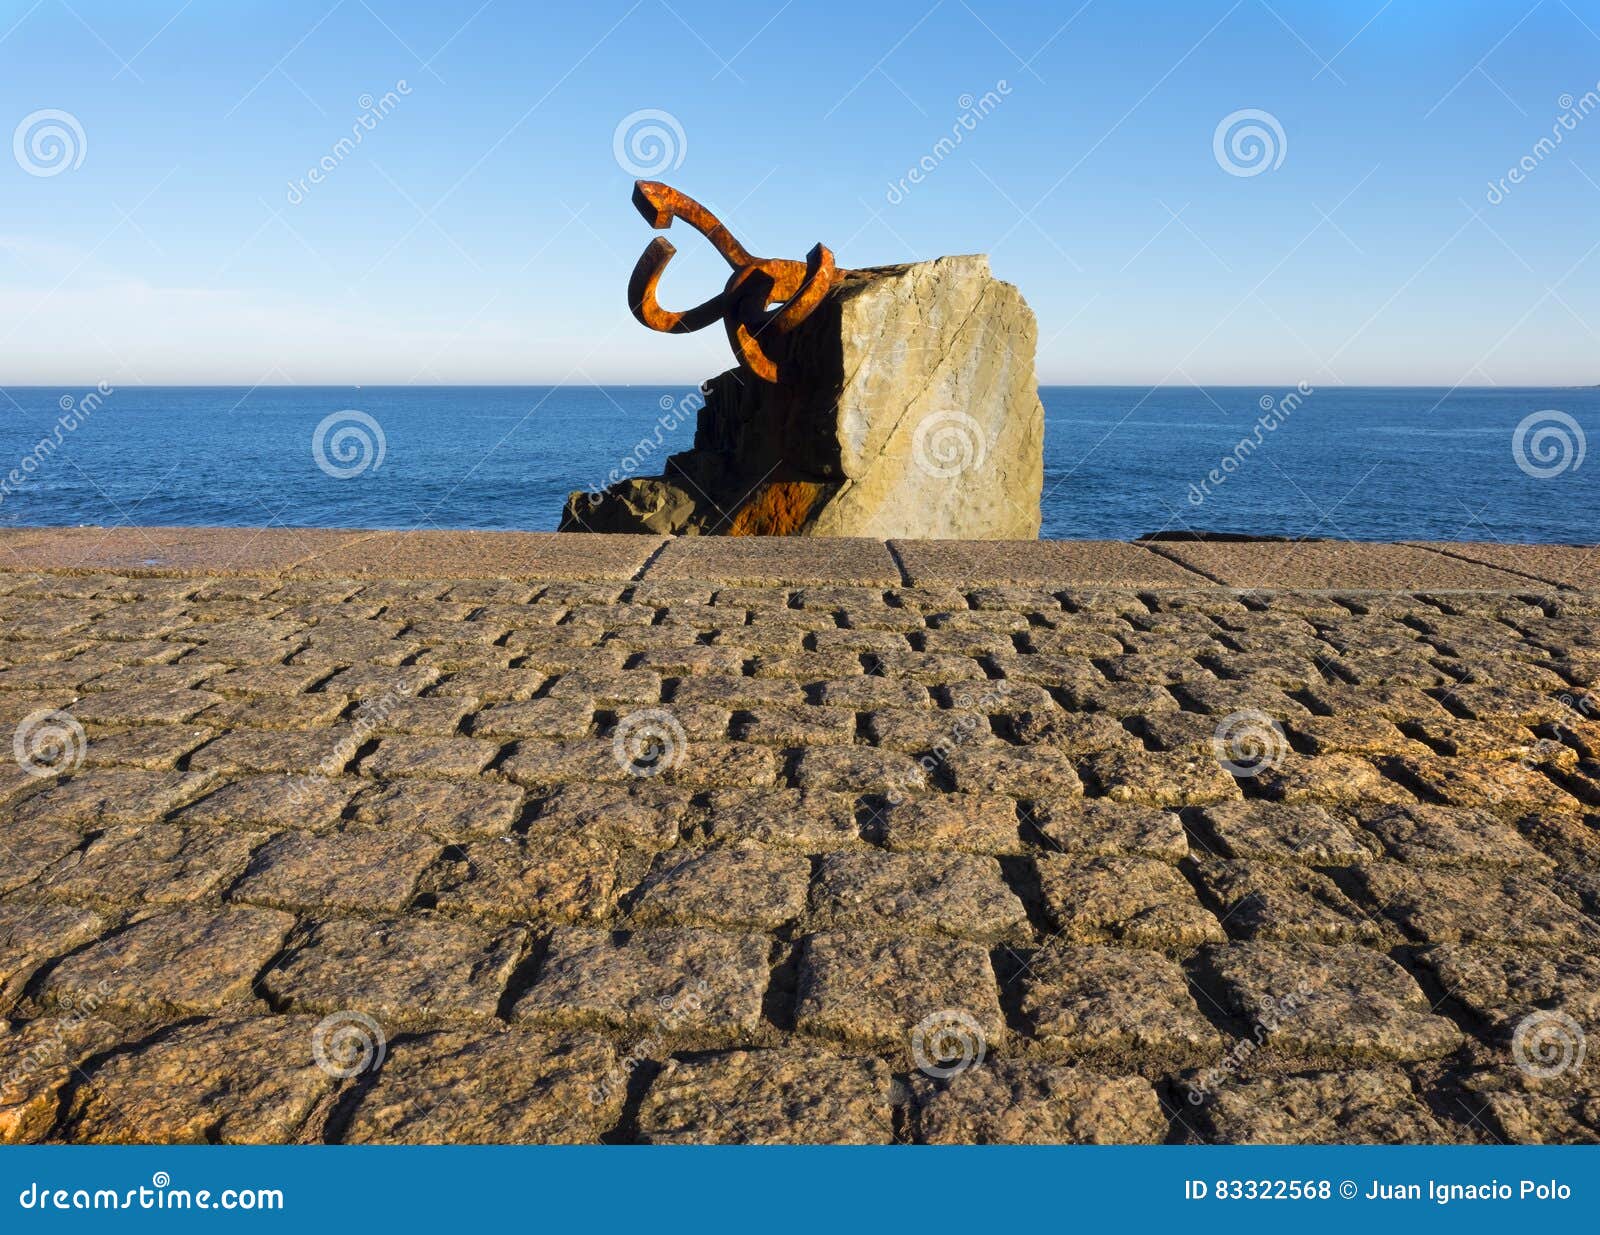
764 299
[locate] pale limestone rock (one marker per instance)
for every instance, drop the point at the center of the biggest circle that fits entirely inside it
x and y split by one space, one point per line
915 413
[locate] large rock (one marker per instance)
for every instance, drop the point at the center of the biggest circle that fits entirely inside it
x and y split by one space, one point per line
914 413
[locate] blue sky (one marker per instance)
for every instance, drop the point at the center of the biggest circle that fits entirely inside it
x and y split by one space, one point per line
481 230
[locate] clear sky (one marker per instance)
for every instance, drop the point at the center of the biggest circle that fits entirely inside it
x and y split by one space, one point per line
481 230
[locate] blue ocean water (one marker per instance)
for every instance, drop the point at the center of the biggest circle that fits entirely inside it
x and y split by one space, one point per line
1360 463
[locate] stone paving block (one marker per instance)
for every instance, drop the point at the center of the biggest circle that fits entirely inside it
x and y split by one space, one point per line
1008 1102
557 876
1349 735
197 550
31 934
439 758
30 848
1283 901
37 1063
858 769
172 962
797 725
289 712
919 731
491 1087
404 972
1349 1003
874 991
350 871
156 862
233 1082
1487 784
948 822
1018 771
1502 985
1096 827
1284 832
1426 835
1394 703
1467 904
1511 1107
142 706
1376 1106
1141 902
1159 778
110 795
775 1097
1345 781
957 894
747 888
319 753
817 822
154 748
272 801
761 561
1051 563
645 814
695 986
449 810
870 691
509 556
1344 564
1072 733
1114 1002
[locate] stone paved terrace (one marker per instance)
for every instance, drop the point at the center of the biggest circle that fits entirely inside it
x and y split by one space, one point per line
613 838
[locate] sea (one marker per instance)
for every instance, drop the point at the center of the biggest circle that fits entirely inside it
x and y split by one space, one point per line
1360 463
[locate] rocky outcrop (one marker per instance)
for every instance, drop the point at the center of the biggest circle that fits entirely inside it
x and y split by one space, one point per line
915 414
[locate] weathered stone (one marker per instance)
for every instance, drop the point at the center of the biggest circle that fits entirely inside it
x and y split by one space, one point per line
697 986
404 972
489 1087
874 991
1320 1108
915 409
37 1063
948 822
1284 832
782 818
956 894
33 934
1283 901
355 871
1350 1003
1465 904
152 862
1097 827
787 1097
253 1081
1114 1002
1161 779
1014 1103
745 888
1137 901
172 962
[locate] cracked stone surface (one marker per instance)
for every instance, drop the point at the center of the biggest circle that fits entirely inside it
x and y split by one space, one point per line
946 799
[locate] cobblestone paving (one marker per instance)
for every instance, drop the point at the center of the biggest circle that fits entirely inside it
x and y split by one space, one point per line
367 859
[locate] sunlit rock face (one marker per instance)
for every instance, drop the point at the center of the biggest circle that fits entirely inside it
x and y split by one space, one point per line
914 413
